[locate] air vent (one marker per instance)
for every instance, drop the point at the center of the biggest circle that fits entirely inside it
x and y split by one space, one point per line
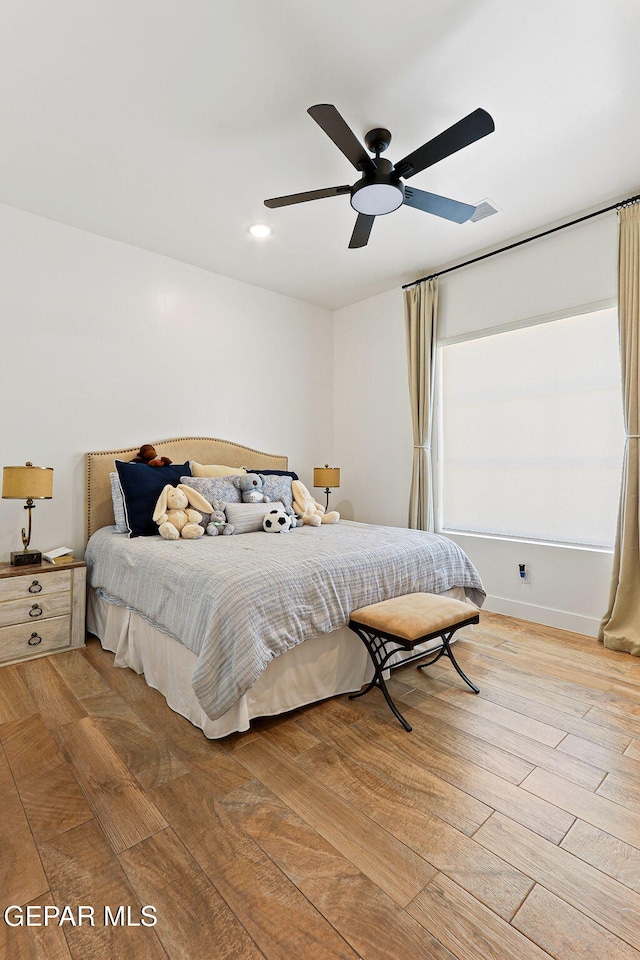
486 208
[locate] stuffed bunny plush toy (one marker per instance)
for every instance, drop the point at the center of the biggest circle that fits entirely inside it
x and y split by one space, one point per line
250 485
219 525
173 515
311 512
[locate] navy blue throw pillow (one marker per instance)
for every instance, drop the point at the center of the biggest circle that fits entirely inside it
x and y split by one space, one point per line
141 487
274 473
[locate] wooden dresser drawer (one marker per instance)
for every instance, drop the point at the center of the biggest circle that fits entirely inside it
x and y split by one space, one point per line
34 610
19 641
44 604
35 585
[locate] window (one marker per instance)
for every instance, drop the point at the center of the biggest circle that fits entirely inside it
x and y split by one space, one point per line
531 431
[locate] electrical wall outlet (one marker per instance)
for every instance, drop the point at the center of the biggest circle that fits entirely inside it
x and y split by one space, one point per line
523 573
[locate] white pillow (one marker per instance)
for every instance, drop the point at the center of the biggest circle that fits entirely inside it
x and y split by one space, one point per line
248 517
214 470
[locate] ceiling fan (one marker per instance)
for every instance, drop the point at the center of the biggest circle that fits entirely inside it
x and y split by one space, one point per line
380 190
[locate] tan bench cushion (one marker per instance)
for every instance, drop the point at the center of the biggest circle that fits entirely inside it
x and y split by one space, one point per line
414 615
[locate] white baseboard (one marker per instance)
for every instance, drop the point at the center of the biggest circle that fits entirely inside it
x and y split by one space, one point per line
575 622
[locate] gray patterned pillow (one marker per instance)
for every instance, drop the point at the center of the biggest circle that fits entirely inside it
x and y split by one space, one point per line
118 504
279 488
214 488
248 517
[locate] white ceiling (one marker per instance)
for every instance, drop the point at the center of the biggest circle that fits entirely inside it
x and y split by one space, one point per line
166 123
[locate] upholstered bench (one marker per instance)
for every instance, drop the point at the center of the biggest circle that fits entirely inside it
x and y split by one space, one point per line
403 623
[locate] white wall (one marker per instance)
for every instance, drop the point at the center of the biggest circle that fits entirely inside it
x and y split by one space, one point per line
373 438
577 266
105 345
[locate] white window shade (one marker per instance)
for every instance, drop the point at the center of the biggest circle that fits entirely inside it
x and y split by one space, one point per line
532 433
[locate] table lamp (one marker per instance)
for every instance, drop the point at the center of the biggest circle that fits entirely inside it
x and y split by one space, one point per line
326 477
27 483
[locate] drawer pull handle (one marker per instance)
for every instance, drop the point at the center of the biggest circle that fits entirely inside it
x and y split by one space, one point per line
35 587
34 640
35 611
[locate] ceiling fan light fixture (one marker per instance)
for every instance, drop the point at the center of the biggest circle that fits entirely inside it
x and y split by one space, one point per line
380 189
260 231
376 199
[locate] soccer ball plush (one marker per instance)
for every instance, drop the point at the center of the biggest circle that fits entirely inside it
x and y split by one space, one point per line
277 521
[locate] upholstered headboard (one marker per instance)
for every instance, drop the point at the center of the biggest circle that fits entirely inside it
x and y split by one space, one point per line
99 509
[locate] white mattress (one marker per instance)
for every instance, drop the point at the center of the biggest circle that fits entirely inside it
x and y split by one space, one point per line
319 668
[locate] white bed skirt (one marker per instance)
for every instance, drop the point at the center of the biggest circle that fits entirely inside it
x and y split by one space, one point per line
324 667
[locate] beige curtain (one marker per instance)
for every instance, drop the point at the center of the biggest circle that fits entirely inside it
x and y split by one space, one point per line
620 627
420 309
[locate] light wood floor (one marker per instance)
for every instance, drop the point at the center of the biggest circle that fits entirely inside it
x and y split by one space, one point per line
507 825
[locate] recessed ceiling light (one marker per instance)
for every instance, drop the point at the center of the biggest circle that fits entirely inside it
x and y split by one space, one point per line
260 231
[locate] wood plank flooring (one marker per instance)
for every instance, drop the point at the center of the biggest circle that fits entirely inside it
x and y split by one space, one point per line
506 826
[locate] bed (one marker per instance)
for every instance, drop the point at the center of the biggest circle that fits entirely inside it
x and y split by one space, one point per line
233 628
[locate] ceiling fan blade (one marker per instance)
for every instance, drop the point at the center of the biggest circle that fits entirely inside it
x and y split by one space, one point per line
466 131
438 206
309 195
335 127
361 231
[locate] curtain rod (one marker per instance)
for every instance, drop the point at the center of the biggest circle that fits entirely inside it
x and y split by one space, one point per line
614 206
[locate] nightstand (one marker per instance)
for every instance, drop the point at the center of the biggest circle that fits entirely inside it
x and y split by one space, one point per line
42 609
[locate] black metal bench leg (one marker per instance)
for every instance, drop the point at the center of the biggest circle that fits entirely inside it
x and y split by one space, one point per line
387 696
379 656
446 649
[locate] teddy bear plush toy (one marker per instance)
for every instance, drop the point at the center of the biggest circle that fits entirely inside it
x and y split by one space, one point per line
250 485
147 454
311 512
174 515
219 525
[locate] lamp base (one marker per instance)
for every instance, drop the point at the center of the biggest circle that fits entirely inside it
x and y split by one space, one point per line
25 558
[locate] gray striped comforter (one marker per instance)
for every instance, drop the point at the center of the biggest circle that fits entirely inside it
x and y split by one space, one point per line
237 602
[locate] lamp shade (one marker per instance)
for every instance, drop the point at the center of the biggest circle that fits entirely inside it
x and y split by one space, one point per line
27 483
326 476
